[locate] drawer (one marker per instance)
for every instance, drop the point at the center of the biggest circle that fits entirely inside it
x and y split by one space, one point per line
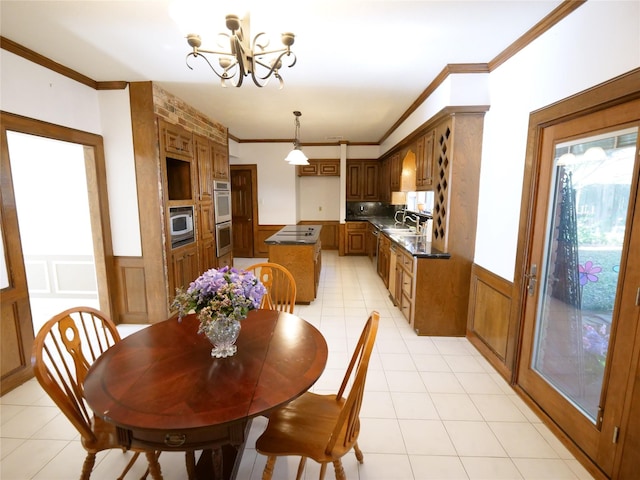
357 225
406 307
407 284
198 439
406 261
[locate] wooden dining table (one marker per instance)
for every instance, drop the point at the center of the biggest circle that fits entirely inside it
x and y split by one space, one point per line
164 392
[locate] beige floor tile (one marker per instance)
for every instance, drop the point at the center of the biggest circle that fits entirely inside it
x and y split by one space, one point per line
522 440
490 468
474 439
455 406
542 469
426 437
385 467
437 468
412 405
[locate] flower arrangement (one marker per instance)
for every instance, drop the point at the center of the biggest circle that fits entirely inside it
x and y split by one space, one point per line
225 293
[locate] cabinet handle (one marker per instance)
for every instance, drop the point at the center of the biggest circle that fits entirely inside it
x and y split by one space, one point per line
532 280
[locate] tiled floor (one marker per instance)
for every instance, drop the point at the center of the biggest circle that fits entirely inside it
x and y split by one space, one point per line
434 407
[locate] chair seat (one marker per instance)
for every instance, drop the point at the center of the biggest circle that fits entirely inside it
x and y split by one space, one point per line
303 428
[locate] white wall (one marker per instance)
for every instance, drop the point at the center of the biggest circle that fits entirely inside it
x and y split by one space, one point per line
285 198
597 42
33 91
277 184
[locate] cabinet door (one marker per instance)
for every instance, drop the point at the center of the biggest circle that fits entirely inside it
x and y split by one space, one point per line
207 255
369 175
206 223
310 170
424 161
204 157
329 168
354 182
176 139
395 171
384 187
220 162
184 264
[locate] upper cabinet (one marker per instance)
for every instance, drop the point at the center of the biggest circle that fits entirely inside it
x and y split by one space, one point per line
220 161
320 168
395 171
363 180
176 140
424 161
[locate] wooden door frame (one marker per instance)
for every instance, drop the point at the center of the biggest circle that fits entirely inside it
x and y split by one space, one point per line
98 199
253 169
617 91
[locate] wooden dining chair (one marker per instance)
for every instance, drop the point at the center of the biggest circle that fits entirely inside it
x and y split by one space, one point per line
280 285
63 350
322 427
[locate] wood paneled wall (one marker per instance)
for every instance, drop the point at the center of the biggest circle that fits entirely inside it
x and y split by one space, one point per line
131 286
488 326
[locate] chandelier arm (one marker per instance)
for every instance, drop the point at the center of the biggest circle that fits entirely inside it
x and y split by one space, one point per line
255 43
225 73
274 66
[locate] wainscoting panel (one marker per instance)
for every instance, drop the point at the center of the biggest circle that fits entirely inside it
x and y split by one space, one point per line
488 318
56 276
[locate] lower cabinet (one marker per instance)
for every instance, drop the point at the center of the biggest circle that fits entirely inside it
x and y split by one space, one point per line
405 285
356 238
184 267
207 252
384 254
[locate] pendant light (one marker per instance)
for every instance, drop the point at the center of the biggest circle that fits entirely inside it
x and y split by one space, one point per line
297 156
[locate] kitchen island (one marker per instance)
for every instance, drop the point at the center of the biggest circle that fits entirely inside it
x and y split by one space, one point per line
298 248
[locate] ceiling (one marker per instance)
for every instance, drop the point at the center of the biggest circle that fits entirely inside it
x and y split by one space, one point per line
360 63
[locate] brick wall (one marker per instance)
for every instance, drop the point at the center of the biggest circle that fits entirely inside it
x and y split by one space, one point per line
178 112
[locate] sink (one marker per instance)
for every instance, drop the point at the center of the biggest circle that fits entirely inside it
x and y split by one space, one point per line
402 231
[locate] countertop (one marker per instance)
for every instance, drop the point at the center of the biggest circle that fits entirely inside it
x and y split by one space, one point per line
295 235
415 244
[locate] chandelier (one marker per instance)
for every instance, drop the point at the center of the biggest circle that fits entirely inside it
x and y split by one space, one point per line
242 58
297 156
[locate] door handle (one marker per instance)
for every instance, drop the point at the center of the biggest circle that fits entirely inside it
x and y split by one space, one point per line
532 279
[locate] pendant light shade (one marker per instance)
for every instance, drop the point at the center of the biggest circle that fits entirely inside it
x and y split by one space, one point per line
297 157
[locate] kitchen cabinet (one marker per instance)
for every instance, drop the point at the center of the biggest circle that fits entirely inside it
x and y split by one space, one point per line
442 285
384 183
174 168
362 180
184 266
424 161
384 254
320 168
405 285
298 248
176 139
372 240
395 172
356 238
220 161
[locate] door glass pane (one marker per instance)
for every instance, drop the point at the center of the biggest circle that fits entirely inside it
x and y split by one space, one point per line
585 232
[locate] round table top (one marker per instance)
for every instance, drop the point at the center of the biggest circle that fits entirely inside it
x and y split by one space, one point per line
163 377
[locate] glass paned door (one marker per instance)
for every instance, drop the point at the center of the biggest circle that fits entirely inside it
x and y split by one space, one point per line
588 202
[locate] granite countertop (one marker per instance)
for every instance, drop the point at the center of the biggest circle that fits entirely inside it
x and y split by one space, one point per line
415 244
295 235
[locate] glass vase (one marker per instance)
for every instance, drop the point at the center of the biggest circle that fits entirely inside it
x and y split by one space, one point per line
222 333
